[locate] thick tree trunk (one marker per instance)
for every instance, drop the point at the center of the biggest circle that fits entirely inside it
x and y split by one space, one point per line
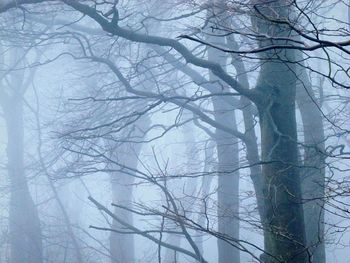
25 231
284 222
313 172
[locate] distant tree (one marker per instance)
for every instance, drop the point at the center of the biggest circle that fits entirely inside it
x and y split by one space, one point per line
24 224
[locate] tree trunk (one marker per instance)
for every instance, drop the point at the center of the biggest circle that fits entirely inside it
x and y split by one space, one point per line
284 222
25 231
122 247
313 172
251 141
228 157
205 190
228 186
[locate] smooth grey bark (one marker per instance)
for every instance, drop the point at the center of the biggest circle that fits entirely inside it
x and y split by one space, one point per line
313 170
228 185
227 152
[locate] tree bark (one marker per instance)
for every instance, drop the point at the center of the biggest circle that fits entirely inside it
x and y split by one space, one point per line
284 222
313 171
228 187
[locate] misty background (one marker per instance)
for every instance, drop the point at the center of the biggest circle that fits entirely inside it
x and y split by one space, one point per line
174 131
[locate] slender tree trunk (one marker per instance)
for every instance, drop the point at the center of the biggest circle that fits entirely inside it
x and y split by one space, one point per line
251 141
284 222
171 256
205 189
228 157
24 224
313 172
189 188
122 247
25 231
228 186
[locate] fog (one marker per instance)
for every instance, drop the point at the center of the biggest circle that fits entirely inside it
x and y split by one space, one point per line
174 131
